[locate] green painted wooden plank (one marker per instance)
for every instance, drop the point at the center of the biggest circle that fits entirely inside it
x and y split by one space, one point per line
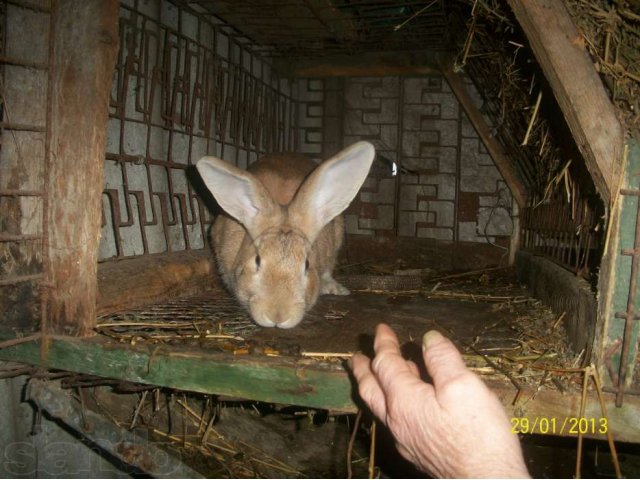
278 379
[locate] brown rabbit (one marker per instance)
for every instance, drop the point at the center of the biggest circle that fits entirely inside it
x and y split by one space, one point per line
277 244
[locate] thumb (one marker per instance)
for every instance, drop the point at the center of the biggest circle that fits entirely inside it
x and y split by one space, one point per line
442 359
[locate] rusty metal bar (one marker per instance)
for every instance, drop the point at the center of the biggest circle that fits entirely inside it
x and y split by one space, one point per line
21 279
22 63
21 193
35 6
7 237
23 127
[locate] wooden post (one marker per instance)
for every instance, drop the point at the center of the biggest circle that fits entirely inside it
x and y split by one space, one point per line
559 49
494 147
84 54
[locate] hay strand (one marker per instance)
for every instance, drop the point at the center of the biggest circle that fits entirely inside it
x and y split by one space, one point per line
525 141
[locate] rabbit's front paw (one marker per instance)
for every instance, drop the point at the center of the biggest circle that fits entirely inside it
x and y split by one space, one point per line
331 287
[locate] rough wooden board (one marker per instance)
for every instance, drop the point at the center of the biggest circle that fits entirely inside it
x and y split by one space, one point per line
409 315
559 49
438 255
565 292
131 282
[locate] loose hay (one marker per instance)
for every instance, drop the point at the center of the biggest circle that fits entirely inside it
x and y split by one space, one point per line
611 31
185 425
529 349
202 430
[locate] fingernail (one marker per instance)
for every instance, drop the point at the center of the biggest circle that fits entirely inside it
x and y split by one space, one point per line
429 338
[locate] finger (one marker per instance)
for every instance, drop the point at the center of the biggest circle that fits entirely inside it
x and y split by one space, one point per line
387 348
360 366
442 358
388 365
368 386
385 339
414 368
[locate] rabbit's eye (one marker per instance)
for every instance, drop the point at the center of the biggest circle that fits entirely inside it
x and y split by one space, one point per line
257 261
306 266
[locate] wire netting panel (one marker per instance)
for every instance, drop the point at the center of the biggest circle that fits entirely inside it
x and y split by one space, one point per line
24 77
185 86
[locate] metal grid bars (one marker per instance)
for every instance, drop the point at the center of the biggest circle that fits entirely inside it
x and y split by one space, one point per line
308 28
25 116
182 319
185 86
568 234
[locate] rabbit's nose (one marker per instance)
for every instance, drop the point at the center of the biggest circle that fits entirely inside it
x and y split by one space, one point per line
279 318
289 321
264 321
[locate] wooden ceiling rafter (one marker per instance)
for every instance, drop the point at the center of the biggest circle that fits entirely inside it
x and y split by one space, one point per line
589 113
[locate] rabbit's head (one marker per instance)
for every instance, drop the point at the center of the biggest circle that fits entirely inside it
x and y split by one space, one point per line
278 267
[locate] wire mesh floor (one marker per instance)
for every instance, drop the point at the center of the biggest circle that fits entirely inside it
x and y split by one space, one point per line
189 320
485 316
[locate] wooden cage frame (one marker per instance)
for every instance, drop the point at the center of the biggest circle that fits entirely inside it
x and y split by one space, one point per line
75 145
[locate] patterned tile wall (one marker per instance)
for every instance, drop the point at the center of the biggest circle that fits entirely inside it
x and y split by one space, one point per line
447 187
186 87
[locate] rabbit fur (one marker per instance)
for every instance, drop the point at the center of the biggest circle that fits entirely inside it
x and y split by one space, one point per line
277 241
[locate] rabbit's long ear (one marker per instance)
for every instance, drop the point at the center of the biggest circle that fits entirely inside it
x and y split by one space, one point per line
331 187
239 193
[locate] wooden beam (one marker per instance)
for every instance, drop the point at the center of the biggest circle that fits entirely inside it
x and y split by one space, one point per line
60 404
293 381
494 147
84 55
590 115
363 65
129 283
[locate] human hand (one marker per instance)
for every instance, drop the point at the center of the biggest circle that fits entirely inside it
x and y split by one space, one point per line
456 427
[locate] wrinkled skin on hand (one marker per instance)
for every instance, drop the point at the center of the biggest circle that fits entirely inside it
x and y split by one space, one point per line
455 427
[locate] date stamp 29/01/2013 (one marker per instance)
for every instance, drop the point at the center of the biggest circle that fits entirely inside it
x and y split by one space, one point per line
560 426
